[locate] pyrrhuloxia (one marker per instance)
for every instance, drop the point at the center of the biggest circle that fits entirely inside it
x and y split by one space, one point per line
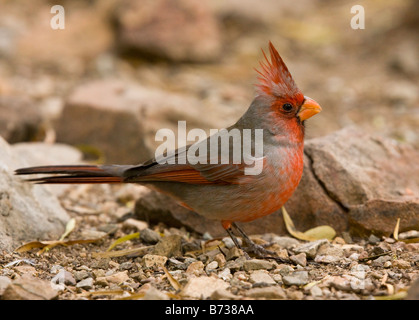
223 191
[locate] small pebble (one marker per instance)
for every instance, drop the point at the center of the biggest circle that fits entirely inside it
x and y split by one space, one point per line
225 274
195 268
149 236
135 224
310 248
271 292
211 267
80 275
315 291
300 259
153 261
373 239
261 277
86 284
295 295
297 278
256 264
401 264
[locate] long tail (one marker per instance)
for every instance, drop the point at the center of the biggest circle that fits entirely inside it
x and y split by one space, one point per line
76 174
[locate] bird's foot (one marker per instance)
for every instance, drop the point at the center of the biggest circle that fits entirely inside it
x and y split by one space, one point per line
259 251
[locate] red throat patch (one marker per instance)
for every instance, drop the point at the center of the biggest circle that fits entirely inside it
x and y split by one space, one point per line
275 80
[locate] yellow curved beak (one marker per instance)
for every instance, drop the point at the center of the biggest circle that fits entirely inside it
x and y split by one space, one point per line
308 109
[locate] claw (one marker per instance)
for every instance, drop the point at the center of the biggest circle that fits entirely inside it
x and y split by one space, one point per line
252 247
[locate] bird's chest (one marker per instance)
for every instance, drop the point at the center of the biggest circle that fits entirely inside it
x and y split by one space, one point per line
282 176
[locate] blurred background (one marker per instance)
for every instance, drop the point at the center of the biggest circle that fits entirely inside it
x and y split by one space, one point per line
122 69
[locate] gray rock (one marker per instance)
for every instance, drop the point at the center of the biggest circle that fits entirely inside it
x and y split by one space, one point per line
203 287
370 176
169 246
409 234
297 278
211 267
271 292
85 284
149 236
257 264
42 153
28 212
228 242
64 277
286 242
340 283
373 239
310 248
80 275
233 253
380 261
315 291
261 277
29 288
299 259
329 254
126 265
360 271
285 270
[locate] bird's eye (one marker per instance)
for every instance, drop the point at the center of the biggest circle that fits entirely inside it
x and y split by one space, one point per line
287 107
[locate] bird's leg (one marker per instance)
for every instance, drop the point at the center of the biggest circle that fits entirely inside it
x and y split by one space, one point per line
257 249
236 242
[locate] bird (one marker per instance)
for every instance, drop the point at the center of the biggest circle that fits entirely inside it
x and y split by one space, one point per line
223 191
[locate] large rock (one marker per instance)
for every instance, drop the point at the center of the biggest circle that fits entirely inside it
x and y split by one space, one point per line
87 34
27 212
121 118
372 179
184 30
28 287
44 154
352 181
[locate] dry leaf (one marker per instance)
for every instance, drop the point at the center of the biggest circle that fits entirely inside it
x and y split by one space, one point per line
397 296
123 239
175 284
68 228
396 230
320 232
120 253
317 233
46 245
102 293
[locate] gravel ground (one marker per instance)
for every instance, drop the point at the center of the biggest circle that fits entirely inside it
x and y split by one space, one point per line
161 262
